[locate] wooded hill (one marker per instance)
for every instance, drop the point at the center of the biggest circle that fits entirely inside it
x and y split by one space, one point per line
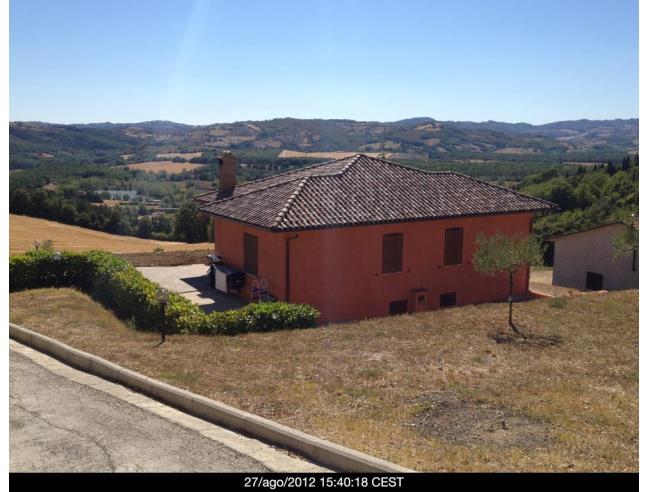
32 143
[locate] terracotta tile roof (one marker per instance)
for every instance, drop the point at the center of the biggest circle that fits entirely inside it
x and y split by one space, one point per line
323 169
364 190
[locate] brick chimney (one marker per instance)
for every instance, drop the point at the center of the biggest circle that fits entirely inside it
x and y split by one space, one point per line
226 174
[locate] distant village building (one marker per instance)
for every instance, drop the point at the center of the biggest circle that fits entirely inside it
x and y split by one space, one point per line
363 237
585 260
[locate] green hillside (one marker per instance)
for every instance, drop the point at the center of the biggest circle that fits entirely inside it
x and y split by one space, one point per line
32 143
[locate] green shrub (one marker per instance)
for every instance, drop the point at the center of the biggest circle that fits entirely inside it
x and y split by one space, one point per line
270 316
116 284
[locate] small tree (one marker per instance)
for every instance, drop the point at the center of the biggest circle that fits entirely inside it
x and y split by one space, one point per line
144 227
625 165
191 224
506 254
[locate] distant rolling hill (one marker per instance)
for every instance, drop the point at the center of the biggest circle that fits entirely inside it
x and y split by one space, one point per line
33 142
578 134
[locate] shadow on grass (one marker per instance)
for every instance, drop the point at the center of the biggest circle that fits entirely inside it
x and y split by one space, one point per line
526 340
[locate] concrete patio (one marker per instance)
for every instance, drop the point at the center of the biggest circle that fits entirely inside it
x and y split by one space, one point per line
192 282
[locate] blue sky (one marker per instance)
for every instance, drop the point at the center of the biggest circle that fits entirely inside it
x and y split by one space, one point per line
207 61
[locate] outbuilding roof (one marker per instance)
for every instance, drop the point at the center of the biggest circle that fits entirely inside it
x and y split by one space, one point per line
634 223
363 190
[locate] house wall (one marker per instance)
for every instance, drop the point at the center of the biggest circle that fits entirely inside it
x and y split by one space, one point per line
228 242
339 270
593 251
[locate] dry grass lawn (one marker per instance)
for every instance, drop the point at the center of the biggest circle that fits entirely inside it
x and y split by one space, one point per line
23 231
169 167
430 391
168 258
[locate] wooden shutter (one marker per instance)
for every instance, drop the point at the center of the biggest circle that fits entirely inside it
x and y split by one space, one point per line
453 249
392 253
250 254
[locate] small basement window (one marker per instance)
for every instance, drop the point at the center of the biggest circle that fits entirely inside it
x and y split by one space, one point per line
398 307
448 299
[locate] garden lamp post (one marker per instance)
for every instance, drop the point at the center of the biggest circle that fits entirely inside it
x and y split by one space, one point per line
57 258
162 297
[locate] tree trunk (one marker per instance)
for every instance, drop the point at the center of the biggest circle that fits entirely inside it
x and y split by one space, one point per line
510 301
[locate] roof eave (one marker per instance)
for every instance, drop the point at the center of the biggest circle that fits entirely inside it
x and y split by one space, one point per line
371 223
600 226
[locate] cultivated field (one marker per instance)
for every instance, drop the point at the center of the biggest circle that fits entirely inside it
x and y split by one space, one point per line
23 231
286 154
433 391
183 155
169 167
110 203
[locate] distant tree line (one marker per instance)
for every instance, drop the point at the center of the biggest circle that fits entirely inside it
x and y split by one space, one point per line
594 195
189 224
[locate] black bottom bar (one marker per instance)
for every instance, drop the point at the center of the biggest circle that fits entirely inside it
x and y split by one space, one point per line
479 482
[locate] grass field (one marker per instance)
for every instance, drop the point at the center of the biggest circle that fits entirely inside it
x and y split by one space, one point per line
183 155
110 203
431 391
23 231
168 258
169 167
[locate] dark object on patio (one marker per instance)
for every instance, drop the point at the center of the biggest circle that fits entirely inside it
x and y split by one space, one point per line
226 279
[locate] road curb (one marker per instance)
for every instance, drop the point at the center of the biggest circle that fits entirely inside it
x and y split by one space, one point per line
319 450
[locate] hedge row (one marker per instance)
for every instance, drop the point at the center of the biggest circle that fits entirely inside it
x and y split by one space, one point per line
120 287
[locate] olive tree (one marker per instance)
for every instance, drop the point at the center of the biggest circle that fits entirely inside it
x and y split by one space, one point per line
501 253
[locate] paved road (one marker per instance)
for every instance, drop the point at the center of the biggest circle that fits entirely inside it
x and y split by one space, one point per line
59 424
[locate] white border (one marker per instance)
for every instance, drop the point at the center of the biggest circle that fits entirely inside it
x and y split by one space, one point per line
4 146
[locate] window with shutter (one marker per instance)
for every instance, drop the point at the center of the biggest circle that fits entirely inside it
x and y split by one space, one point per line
250 254
453 249
392 260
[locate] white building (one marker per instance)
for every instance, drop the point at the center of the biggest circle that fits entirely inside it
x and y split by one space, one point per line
585 260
